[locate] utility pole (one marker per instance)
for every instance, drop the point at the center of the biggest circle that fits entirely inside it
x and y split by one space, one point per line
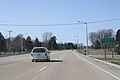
9 32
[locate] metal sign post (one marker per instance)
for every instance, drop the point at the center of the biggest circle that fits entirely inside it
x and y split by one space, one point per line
108 42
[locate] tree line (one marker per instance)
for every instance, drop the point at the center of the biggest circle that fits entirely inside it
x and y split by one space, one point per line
95 38
19 43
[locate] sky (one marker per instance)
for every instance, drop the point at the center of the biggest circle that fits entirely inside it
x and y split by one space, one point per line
42 12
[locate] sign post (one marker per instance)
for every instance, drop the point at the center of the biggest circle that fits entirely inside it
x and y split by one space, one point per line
108 42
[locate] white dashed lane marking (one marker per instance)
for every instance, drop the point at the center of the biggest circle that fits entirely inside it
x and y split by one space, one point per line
43 68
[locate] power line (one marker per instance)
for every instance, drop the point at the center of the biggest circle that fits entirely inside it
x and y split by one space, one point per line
39 25
65 24
108 20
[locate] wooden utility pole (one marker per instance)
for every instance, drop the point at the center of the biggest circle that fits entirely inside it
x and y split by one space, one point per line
9 32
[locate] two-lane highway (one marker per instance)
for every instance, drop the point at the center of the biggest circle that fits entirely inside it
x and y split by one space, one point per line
64 65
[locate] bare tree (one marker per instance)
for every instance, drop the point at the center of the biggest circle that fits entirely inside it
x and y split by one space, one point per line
95 37
105 33
16 43
46 37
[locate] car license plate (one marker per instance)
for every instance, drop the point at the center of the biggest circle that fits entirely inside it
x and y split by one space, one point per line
38 54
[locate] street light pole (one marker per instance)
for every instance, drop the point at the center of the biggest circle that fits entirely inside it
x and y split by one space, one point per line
9 32
22 47
86 38
22 42
86 35
77 42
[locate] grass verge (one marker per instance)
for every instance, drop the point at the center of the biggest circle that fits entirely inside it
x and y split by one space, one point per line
11 54
99 54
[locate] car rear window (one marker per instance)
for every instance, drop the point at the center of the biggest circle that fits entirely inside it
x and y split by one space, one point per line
39 50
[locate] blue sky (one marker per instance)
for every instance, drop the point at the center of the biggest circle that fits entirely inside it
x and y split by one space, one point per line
55 12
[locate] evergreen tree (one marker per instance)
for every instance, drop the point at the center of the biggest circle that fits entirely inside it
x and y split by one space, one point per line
118 41
2 43
29 43
118 37
37 43
69 45
52 44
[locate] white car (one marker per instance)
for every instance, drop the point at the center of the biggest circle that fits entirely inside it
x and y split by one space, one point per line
40 53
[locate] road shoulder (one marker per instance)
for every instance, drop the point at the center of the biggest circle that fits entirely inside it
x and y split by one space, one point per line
109 68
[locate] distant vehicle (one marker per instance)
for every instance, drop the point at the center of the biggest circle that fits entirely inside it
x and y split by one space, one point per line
40 53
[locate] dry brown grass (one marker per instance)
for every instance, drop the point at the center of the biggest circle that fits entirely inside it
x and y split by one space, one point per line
99 54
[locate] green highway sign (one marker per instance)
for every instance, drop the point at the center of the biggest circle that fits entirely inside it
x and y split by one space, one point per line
107 41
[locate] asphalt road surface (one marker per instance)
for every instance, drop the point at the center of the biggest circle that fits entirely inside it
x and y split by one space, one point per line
64 65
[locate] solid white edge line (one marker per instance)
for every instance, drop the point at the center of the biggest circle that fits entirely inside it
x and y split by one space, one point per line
43 68
98 67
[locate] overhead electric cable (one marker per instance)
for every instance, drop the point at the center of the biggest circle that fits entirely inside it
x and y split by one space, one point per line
63 24
108 20
38 24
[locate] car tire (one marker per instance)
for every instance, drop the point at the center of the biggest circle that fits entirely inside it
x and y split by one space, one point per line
48 59
32 60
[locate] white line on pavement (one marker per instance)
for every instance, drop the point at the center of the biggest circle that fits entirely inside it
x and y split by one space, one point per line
99 67
43 68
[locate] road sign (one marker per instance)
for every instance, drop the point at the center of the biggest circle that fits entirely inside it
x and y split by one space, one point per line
107 41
